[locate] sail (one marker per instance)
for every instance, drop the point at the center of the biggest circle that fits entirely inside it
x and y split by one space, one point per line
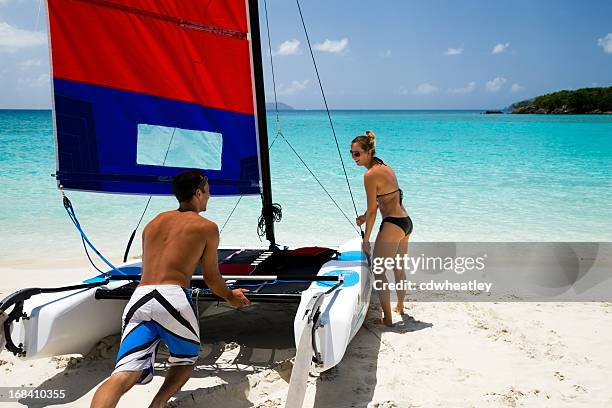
146 89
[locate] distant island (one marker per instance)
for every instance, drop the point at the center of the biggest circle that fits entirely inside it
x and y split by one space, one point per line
580 101
281 106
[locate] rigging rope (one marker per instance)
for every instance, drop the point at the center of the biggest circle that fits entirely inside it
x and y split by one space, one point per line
331 123
279 133
318 181
278 129
129 244
230 215
89 257
70 210
277 215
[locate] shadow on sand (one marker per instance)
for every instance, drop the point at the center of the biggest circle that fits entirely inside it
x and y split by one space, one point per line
235 343
360 363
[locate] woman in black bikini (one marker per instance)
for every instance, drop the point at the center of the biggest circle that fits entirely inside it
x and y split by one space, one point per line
383 192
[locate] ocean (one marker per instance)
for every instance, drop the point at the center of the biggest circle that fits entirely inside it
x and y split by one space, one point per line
465 176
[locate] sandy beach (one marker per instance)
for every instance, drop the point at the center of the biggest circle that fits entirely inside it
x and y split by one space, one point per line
438 354
471 141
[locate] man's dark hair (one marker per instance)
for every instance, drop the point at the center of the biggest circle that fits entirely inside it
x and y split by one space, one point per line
186 183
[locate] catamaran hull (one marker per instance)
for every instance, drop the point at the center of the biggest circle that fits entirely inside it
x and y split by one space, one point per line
341 312
66 323
72 322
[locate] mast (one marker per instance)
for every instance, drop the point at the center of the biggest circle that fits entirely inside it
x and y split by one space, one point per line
262 125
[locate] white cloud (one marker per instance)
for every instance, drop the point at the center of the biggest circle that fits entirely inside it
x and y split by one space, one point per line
289 47
334 47
41 80
293 87
517 88
13 38
454 51
469 88
499 48
606 43
386 53
403 90
29 63
495 84
425 89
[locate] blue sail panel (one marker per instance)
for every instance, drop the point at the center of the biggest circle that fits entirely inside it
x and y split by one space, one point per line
97 131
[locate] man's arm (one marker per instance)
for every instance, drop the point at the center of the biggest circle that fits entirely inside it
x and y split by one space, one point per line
210 269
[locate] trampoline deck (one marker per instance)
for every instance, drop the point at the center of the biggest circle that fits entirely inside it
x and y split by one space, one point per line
249 262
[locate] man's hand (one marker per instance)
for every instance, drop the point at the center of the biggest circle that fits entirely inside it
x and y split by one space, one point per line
237 298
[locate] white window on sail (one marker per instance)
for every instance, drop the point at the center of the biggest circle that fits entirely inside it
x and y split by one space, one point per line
189 148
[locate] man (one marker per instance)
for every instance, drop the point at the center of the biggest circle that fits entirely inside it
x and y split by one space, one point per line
161 307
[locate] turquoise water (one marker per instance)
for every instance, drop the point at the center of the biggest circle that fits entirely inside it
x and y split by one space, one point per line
465 176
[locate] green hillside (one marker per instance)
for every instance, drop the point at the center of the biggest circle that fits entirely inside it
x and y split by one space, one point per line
580 101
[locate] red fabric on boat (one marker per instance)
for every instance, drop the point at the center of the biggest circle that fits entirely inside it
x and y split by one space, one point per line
236 269
308 251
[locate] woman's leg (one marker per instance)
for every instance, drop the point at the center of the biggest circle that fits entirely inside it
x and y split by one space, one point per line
386 246
400 275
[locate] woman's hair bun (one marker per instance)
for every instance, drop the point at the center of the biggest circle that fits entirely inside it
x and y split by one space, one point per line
371 137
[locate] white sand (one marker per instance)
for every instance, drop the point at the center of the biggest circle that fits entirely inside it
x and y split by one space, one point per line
444 354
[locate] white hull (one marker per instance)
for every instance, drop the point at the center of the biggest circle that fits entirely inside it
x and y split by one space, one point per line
66 323
73 322
342 311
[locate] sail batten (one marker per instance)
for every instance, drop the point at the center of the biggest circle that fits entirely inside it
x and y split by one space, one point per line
120 64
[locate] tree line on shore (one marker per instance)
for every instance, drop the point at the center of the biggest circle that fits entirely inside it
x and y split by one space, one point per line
580 101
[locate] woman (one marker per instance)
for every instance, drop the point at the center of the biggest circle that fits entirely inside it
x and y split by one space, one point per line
383 192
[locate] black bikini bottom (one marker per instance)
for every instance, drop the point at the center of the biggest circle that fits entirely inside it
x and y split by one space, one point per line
405 223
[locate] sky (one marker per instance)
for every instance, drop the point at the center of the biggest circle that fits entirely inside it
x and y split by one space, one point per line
391 54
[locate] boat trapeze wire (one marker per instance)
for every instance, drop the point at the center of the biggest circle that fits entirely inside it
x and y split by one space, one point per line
331 123
279 132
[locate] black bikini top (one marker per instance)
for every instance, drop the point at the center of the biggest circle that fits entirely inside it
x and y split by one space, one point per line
393 192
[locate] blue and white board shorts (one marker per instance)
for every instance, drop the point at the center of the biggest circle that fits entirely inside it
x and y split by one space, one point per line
155 313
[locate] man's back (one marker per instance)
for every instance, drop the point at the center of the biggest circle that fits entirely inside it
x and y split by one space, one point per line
161 308
172 244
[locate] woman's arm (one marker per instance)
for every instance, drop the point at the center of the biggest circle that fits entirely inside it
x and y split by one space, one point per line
370 214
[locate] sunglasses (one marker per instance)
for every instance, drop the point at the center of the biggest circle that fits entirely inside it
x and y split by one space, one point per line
355 153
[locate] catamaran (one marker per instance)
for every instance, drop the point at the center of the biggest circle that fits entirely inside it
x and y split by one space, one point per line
126 71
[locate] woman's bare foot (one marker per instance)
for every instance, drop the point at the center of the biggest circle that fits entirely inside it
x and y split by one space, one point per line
386 321
399 309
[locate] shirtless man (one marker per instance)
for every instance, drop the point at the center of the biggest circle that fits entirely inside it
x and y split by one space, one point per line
161 307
